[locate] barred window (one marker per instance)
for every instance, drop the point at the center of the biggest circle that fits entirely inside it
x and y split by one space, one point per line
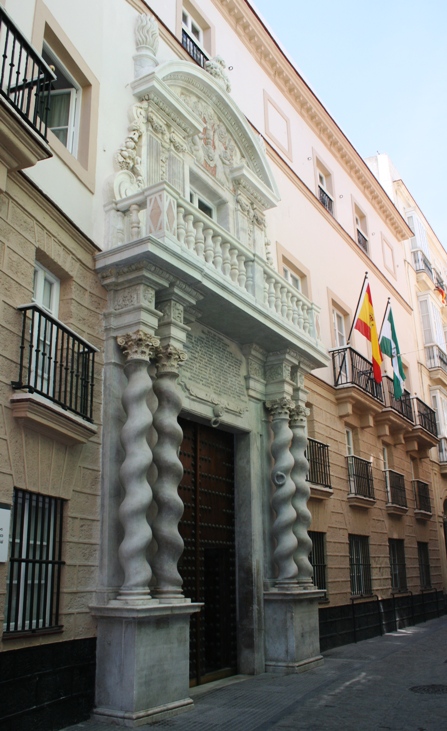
360 565
35 563
424 566
318 558
397 564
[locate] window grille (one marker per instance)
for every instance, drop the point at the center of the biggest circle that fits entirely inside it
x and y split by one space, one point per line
397 564
35 563
318 558
360 565
424 566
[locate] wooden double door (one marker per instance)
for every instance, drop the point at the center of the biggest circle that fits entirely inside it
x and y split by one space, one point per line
208 563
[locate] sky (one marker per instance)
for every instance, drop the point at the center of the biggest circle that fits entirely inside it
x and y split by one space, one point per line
380 69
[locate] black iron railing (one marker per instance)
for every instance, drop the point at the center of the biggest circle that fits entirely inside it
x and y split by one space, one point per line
25 78
56 362
403 405
421 263
318 558
193 49
397 565
351 368
425 416
360 477
395 487
360 565
326 200
436 357
319 467
422 496
362 241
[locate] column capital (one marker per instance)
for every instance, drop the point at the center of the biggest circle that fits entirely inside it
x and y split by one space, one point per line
280 408
298 415
169 358
138 345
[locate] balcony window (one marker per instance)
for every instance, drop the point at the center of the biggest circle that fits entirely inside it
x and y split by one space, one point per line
33 589
292 277
360 227
360 477
360 565
351 368
395 487
424 565
193 38
318 558
422 496
425 416
203 205
397 565
319 468
324 186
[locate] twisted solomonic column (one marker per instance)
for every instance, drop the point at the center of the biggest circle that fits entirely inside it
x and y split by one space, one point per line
138 348
170 472
282 529
300 499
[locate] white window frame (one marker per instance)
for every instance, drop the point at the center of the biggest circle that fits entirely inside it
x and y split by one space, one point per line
196 198
45 345
292 277
349 436
339 333
42 275
74 115
189 24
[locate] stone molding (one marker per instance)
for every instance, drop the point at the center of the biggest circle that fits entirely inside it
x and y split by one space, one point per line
38 414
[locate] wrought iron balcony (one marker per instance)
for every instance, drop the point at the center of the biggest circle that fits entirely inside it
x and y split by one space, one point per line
362 241
326 200
25 78
403 405
361 483
425 416
55 362
436 357
421 263
395 487
352 369
422 496
193 49
319 468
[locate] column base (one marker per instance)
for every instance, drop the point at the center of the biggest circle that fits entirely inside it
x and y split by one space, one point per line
142 662
292 640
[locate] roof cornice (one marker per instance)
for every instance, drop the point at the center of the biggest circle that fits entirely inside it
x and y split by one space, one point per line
262 45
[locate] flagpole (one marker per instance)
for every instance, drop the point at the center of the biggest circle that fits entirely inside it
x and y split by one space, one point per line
362 292
388 305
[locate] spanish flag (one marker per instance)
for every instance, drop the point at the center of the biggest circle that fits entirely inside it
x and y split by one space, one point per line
365 323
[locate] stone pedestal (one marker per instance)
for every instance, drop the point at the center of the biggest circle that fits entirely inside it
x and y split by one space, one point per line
292 641
142 662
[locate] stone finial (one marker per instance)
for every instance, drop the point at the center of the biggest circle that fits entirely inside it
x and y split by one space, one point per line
146 40
138 345
216 67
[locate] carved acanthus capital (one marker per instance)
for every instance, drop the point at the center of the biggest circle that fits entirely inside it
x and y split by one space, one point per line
298 415
216 68
169 359
280 408
138 345
147 33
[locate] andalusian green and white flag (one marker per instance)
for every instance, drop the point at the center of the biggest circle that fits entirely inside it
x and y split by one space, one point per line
389 346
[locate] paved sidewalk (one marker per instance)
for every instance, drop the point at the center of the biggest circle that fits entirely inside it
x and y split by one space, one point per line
397 682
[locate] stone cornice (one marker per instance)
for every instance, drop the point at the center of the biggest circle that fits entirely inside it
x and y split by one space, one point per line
257 39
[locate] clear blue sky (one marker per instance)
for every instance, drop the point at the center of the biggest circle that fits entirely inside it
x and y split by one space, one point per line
380 69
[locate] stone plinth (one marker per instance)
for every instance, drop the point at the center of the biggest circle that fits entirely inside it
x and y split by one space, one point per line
292 641
142 663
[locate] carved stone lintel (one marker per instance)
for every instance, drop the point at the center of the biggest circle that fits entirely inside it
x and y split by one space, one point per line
138 345
169 359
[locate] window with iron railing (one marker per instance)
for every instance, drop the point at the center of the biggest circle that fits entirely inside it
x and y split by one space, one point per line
25 78
326 199
395 487
422 496
425 416
360 477
424 565
360 565
351 368
55 362
318 558
397 564
33 590
319 467
403 405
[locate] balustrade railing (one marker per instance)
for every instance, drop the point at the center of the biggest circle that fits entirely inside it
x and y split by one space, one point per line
436 357
360 477
362 241
25 78
395 487
326 200
351 368
319 467
403 405
421 263
55 362
422 496
193 49
424 416
289 304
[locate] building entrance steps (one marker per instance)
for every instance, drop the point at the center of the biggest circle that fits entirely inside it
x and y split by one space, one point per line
397 682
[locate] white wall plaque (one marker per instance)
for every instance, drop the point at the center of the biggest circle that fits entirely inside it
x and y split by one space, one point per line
5 519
